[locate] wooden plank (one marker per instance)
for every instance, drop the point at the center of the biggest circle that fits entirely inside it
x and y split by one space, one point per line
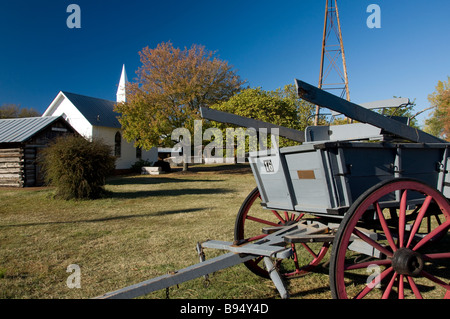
178 277
354 111
224 117
382 104
10 165
10 180
13 166
11 170
10 154
10 184
6 150
9 176
11 160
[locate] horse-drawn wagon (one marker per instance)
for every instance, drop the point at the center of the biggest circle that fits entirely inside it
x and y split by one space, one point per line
374 192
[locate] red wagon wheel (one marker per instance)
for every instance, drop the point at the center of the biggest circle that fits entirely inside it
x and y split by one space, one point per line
388 248
248 228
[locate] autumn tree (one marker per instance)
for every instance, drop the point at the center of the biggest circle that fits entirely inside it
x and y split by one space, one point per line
172 84
14 111
439 122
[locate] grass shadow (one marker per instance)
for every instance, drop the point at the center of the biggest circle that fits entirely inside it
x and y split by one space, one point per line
239 168
110 218
149 180
176 176
168 192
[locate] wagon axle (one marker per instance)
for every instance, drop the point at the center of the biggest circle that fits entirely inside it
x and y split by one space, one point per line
407 262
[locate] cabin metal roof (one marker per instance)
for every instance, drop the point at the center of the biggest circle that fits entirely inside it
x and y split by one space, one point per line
19 130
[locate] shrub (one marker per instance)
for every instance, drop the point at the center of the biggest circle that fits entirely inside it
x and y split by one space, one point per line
137 166
78 167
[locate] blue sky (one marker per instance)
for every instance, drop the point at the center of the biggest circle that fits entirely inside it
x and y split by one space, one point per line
268 42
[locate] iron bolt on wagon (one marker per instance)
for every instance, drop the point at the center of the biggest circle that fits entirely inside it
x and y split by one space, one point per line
374 192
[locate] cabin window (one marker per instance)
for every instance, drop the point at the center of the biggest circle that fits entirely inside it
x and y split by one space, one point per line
118 144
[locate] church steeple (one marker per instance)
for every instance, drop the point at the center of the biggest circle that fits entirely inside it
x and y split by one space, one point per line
121 95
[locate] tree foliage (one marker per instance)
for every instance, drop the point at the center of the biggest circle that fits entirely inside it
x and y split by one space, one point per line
14 111
401 111
281 107
172 84
77 167
439 122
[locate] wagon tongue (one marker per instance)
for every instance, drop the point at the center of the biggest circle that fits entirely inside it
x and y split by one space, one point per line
228 118
356 112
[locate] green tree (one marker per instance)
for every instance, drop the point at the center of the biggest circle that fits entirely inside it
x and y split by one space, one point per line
14 111
172 84
439 122
281 107
401 111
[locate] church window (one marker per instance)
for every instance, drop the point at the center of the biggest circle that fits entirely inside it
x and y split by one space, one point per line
139 152
118 144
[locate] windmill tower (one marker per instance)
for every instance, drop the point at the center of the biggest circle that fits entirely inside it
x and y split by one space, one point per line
333 70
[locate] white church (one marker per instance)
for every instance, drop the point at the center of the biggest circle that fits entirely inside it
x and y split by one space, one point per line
94 118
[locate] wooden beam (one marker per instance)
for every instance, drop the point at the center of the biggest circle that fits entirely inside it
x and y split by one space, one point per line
354 111
224 117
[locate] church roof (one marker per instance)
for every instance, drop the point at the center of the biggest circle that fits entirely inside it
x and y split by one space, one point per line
98 112
18 130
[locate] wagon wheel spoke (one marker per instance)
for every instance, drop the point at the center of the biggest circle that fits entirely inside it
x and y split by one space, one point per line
309 250
401 287
252 219
372 284
406 242
414 288
436 280
419 218
262 221
402 218
388 289
385 227
372 242
381 262
277 215
295 256
437 256
442 228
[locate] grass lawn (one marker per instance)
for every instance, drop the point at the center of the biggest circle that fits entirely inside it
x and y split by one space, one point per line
148 226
